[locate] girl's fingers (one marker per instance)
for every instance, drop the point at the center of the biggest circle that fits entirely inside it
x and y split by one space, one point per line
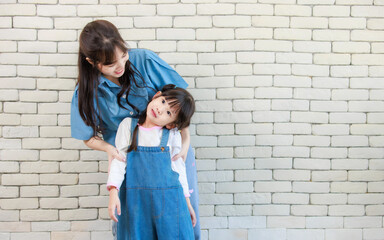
177 156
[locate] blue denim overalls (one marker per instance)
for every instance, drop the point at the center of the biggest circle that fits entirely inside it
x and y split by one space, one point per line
153 205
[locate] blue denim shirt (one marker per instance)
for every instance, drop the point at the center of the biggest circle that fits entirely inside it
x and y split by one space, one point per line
155 72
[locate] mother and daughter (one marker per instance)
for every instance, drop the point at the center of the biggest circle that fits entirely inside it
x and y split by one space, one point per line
124 104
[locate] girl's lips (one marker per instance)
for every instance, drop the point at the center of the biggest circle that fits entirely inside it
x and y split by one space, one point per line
153 112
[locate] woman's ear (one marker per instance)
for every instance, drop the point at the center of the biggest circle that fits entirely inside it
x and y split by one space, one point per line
158 94
89 60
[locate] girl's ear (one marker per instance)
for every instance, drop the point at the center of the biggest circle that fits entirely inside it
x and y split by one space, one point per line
89 60
158 94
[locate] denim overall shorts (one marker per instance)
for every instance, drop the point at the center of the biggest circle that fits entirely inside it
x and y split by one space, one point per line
153 205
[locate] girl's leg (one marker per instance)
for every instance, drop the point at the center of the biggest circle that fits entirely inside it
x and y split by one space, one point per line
190 164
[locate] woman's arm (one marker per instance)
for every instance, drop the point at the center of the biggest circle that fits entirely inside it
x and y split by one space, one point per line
185 141
96 143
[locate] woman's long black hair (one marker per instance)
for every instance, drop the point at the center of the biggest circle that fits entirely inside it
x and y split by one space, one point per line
176 97
98 42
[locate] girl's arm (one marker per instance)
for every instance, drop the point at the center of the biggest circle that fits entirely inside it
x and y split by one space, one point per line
185 141
191 212
96 143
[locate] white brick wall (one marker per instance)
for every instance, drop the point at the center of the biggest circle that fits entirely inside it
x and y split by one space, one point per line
288 129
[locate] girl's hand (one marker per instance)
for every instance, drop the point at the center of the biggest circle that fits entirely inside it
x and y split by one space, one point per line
113 153
193 215
182 154
114 203
191 212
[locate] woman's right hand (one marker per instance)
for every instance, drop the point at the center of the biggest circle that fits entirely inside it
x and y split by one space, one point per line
114 203
113 153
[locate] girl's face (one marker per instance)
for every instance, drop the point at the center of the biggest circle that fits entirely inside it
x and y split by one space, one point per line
116 69
159 112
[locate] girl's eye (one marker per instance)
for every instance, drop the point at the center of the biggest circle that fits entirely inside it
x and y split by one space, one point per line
163 101
169 113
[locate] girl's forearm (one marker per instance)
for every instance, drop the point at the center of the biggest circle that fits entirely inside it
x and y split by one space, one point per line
185 138
96 143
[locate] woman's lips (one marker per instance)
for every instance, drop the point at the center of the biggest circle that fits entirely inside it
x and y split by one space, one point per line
119 72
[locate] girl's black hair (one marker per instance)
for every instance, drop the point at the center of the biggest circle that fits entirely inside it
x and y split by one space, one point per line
176 97
98 42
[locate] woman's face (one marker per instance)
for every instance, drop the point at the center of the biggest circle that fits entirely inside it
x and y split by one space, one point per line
116 69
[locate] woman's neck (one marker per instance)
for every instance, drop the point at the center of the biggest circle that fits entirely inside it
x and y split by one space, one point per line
114 80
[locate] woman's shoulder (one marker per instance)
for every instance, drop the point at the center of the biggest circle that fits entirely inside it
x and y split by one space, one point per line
141 53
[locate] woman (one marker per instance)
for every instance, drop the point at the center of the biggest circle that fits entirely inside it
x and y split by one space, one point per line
114 83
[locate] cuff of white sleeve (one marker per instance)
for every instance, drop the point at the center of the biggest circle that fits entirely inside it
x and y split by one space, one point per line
110 185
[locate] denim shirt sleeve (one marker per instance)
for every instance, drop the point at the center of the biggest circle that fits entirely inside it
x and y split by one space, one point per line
79 129
160 73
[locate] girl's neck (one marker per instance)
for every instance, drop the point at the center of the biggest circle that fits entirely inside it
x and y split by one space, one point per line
149 124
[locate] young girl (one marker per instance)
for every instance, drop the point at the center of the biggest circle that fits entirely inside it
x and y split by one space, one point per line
115 82
151 204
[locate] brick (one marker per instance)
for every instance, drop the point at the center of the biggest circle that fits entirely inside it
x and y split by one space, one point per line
18 34
346 210
292 81
309 22
58 203
216 199
273 163
218 176
366 35
270 21
58 59
38 167
332 59
214 222
375 24
8 46
32 22
365 152
15 226
331 11
274 140
71 235
246 152
344 141
273 186
9 119
311 187
39 191
38 120
9 192
55 84
348 187
312 141
350 47
253 175
195 46
234 187
369 176
79 190
54 131
273 68
19 203
19 179
19 58
233 164
329 176
374 210
31 235
292 10
97 225
50 226
213 34
299 210
36 71
95 11
59 179
324 222
304 234
272 234
329 106
285 151
240 234
247 222
271 210
347 23
78 214
310 70
18 9
309 117
330 129
292 128
331 35
254 128
291 175
72 23
292 34
349 164
252 198
18 107
215 9
52 10
39 215
233 69
215 129
329 199
312 164
227 141
19 155
61 155
176 9
367 11
285 222
9 216
373 233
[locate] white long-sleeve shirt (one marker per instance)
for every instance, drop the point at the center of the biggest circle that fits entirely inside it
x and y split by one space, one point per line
149 137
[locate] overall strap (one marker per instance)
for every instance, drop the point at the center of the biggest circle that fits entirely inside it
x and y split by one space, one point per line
133 125
164 138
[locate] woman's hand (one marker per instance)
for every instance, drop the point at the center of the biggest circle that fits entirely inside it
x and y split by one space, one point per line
191 212
113 153
114 203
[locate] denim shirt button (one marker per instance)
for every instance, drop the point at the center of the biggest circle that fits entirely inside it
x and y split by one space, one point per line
131 113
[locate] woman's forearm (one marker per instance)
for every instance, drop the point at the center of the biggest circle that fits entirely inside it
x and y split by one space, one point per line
96 143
